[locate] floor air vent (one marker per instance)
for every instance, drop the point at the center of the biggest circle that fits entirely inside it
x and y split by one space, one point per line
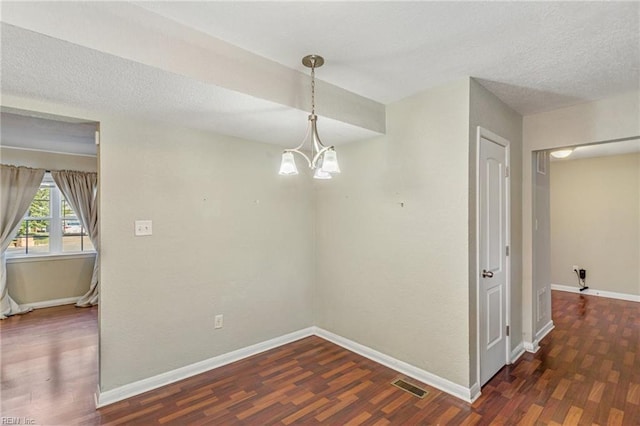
413 390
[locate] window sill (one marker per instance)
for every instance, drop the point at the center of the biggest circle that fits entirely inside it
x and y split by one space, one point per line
49 257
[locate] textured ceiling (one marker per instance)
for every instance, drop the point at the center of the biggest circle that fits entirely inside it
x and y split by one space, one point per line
46 68
536 56
153 59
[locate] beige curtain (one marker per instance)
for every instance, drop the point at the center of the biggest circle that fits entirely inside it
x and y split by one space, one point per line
81 191
18 186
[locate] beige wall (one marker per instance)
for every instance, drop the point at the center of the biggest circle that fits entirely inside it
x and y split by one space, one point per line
51 279
396 232
409 299
604 120
595 222
230 236
54 278
489 112
392 236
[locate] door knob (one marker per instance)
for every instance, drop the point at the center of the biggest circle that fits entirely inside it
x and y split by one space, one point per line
487 274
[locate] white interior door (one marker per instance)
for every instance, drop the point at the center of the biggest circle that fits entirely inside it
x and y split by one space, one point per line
493 222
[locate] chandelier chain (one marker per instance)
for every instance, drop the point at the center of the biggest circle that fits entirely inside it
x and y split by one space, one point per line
313 89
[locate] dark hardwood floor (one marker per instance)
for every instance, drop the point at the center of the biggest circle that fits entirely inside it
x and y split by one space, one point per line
48 365
586 372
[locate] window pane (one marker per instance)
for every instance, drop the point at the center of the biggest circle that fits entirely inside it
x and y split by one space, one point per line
78 242
71 227
87 244
22 231
66 211
37 236
35 227
72 243
40 206
72 234
17 246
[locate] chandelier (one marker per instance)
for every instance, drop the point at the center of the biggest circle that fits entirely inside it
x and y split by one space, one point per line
322 159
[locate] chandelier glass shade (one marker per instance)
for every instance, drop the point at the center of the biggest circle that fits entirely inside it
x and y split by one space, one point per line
322 159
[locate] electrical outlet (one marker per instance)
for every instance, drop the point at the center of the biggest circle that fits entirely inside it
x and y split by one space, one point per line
217 322
143 228
575 268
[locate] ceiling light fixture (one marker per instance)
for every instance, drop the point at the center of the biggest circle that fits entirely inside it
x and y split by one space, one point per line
561 153
323 159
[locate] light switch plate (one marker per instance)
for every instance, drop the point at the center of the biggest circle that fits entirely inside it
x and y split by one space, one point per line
143 228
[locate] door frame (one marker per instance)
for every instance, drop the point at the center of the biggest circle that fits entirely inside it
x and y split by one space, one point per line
487 134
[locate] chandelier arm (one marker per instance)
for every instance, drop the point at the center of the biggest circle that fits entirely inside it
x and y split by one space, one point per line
315 148
295 150
316 136
306 136
318 155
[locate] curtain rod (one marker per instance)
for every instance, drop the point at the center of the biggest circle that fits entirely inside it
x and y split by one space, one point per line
47 170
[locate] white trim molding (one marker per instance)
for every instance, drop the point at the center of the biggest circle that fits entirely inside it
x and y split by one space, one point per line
531 347
132 389
596 292
540 334
481 133
24 258
51 303
517 353
454 389
75 154
474 392
154 382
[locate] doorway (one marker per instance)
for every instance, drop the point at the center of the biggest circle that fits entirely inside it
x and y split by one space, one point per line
50 264
594 206
50 260
581 208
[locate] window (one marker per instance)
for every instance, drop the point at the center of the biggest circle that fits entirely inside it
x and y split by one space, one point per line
50 225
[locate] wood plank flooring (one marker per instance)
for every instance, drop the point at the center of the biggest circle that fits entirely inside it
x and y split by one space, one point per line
586 372
48 365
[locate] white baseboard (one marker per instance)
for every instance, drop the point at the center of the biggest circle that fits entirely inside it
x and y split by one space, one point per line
516 353
454 389
534 346
474 392
51 303
544 331
531 347
144 385
596 292
132 389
